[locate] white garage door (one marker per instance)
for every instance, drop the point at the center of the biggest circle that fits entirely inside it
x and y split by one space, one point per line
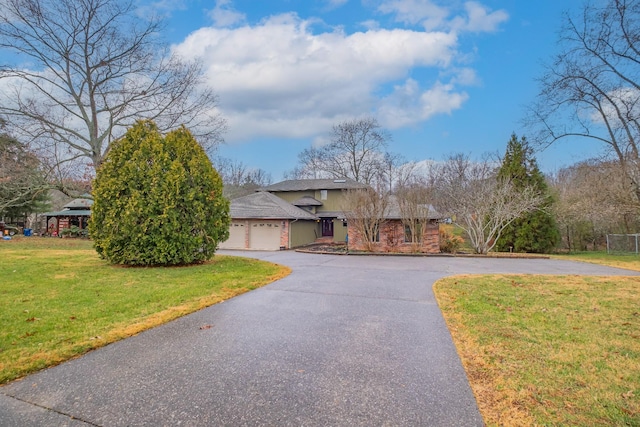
265 235
236 238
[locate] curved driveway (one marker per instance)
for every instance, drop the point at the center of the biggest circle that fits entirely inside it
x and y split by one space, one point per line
342 341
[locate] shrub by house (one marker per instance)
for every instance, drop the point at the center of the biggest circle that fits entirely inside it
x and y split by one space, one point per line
157 200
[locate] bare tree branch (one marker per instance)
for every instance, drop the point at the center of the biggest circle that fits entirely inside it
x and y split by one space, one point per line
355 151
365 210
591 89
478 202
97 68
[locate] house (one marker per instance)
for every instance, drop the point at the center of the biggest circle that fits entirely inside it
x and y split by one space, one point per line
395 235
295 213
289 214
263 221
75 213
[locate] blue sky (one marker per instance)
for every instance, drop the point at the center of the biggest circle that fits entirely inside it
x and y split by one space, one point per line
442 76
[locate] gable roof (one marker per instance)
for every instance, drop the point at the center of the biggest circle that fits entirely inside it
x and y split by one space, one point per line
83 202
314 184
393 210
263 205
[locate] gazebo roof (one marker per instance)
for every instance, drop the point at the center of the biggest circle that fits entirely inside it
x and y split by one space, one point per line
69 212
80 203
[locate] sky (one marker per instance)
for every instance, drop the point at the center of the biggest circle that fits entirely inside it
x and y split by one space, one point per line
441 76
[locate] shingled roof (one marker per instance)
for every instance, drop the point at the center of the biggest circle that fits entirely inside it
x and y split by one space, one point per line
83 202
264 205
307 201
314 184
393 210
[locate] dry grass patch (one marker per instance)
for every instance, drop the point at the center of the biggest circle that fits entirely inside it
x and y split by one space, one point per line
59 300
548 350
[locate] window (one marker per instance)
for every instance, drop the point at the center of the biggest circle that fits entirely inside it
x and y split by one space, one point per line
408 235
323 194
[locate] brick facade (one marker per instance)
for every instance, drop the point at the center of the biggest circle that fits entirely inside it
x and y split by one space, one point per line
392 239
284 234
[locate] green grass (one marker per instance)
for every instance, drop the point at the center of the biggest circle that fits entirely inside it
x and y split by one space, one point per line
548 350
58 299
628 261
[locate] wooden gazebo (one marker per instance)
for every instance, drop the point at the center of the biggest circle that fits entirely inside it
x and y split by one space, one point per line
75 213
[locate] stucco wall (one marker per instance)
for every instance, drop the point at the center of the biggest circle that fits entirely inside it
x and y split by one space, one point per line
339 231
303 233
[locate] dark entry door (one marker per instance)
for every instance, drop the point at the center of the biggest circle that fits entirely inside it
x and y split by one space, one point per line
327 227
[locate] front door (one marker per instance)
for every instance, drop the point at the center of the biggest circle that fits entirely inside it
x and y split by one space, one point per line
327 227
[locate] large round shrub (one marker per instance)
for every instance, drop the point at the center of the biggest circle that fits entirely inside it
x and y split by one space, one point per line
157 200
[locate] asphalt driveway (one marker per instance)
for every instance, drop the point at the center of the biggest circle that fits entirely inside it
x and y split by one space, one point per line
342 341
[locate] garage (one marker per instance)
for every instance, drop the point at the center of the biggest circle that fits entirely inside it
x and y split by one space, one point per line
265 235
237 237
262 221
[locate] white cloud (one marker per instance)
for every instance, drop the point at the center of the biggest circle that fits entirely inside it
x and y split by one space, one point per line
370 24
479 19
413 12
465 77
476 17
223 15
159 7
624 101
408 104
334 4
280 79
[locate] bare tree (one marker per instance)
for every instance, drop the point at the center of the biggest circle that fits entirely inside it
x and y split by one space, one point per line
239 179
95 68
396 172
593 199
355 151
414 208
591 89
478 202
365 211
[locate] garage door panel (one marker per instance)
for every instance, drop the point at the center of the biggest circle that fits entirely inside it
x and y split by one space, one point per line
236 240
265 235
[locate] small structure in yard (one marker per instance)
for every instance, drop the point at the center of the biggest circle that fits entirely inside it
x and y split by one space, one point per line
76 214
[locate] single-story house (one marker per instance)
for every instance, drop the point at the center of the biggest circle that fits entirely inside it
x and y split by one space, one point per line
394 235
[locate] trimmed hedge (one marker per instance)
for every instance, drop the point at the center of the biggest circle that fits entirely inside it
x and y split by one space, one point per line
157 200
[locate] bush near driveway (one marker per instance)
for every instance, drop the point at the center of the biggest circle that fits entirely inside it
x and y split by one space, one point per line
158 200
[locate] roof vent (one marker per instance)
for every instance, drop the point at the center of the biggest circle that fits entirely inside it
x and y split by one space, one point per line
339 181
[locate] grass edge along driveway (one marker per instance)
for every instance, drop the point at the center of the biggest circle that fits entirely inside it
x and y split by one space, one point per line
59 300
548 350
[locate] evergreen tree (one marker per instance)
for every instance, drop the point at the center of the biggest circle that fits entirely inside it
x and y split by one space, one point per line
158 200
535 231
23 183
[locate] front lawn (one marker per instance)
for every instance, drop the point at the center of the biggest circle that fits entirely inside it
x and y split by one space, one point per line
628 261
58 299
548 350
